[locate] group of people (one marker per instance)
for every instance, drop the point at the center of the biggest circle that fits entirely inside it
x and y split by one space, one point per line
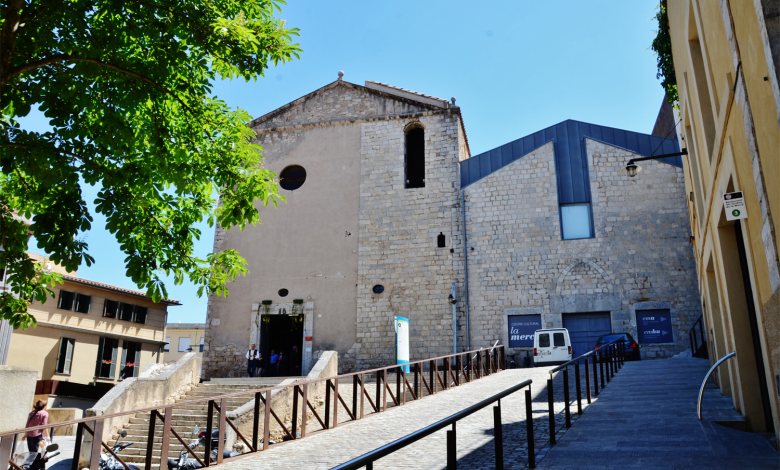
257 367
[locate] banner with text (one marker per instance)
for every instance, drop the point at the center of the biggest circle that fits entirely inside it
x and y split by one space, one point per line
654 326
521 330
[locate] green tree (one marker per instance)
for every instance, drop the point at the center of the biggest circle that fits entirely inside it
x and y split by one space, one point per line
125 86
662 45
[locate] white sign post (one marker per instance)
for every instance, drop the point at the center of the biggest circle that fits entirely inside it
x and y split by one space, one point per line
734 205
402 341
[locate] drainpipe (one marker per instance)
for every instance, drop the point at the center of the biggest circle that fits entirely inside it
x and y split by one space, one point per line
466 272
454 302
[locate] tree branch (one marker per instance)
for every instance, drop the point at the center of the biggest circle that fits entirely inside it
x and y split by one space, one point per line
11 23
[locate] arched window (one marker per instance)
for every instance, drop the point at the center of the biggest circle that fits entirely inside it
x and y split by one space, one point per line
414 158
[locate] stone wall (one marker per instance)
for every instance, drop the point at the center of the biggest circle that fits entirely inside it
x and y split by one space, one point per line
350 140
18 386
640 256
398 239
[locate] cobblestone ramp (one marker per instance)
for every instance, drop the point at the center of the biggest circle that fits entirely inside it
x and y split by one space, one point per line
475 433
646 419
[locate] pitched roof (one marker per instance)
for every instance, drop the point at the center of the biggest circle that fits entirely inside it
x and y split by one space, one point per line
570 159
109 287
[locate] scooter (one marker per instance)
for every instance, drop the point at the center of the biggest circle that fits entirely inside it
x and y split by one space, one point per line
35 460
109 462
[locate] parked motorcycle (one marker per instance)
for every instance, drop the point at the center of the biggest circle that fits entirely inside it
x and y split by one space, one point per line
185 462
109 462
35 460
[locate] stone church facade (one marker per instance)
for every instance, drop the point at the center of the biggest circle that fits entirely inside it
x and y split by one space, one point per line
387 213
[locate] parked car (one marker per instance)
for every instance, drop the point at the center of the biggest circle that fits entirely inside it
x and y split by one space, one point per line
551 346
631 346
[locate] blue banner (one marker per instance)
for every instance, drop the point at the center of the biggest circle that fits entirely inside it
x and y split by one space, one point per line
521 330
654 326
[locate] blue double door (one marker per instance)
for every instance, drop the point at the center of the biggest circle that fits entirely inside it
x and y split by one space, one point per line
585 328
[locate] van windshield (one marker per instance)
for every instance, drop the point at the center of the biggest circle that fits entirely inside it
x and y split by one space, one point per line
544 340
558 338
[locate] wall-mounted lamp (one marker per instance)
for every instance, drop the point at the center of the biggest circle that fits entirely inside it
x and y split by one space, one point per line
632 168
452 300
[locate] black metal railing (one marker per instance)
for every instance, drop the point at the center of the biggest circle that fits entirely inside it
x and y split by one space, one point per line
604 362
698 339
367 460
343 398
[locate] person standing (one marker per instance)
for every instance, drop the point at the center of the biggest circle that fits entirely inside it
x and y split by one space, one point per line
273 363
252 360
38 417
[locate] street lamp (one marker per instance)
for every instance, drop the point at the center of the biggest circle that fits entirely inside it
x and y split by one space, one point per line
632 168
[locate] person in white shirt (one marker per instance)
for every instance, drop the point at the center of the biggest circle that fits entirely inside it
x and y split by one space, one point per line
253 361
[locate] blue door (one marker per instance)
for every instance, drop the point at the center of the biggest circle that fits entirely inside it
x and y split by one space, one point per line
585 328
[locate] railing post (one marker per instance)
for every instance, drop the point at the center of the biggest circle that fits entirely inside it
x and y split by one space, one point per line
80 435
498 436
327 404
602 358
166 435
335 402
469 367
578 387
222 429
267 420
446 369
529 428
149 441
587 380
417 380
362 395
355 392
378 392
97 438
551 411
478 369
595 359
431 371
256 422
566 398
458 370
304 414
209 428
295 412
398 373
452 451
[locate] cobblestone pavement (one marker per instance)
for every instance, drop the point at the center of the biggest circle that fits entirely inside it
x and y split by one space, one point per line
474 433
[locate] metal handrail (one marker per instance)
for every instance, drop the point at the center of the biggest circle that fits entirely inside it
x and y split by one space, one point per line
458 366
367 459
707 376
589 353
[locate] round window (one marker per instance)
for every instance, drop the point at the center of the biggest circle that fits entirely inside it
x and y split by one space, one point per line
378 289
283 292
292 177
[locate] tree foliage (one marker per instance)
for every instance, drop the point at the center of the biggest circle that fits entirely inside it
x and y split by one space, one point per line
125 86
662 45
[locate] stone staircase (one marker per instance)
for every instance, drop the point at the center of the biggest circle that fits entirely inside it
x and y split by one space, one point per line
186 417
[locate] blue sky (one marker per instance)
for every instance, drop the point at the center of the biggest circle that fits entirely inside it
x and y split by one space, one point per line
514 67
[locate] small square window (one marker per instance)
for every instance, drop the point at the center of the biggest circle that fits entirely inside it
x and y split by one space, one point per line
575 221
184 344
110 308
66 300
82 303
139 314
126 311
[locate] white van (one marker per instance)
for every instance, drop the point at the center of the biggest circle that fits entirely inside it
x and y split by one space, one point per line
551 346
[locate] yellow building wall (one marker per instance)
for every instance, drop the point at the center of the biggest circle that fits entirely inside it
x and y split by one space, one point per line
173 334
729 123
38 347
